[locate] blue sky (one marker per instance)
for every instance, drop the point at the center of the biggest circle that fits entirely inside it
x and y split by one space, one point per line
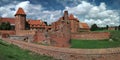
101 12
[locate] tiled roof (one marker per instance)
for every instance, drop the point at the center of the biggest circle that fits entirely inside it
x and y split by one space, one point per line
10 20
20 11
36 23
83 25
71 17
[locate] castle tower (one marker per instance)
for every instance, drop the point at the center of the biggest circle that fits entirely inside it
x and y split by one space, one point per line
65 15
66 21
65 35
20 19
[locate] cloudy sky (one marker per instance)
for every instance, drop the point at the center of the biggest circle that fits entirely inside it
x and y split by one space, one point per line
101 12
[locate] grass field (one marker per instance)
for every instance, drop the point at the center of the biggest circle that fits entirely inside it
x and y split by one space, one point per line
99 43
12 52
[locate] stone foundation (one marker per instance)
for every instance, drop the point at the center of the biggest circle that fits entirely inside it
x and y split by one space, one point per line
22 38
14 37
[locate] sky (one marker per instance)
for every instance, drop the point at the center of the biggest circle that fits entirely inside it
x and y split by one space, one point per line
100 12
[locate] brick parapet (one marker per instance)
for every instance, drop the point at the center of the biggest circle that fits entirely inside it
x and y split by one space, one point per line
91 35
12 32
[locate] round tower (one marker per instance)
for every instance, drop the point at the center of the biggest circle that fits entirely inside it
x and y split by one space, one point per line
20 19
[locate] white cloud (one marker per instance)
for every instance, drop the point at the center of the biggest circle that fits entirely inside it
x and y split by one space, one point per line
85 11
70 2
23 4
95 14
32 11
51 16
6 11
80 9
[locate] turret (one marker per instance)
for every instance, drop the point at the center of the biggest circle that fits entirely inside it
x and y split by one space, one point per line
20 19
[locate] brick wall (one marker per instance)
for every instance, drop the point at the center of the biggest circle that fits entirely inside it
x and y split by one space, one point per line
11 32
59 36
91 35
6 33
54 38
60 39
39 37
20 22
70 53
74 25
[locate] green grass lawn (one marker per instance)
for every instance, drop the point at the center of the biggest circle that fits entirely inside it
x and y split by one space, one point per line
91 44
12 52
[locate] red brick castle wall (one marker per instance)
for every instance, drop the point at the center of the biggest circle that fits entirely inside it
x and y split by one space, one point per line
91 35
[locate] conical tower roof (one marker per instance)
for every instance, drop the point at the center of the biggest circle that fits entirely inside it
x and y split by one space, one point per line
20 11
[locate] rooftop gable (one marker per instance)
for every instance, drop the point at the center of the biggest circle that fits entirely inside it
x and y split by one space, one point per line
71 17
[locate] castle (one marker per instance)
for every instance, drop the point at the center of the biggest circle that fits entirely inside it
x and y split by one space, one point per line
58 34
76 25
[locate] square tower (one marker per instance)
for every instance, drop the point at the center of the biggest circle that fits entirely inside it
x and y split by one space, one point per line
20 19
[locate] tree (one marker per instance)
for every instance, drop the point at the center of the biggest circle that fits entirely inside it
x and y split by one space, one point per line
116 28
8 26
5 26
107 27
119 27
94 27
27 26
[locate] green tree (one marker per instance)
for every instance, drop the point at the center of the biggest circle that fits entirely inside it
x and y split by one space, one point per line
27 26
94 27
119 27
107 27
8 26
5 26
